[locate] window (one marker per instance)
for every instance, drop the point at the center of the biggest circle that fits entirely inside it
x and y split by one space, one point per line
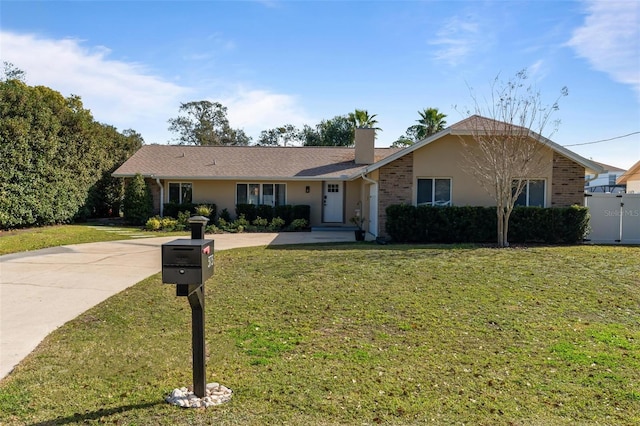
333 187
533 194
180 192
434 192
272 194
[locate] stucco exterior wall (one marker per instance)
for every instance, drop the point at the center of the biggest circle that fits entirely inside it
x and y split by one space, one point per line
633 187
445 158
223 194
567 183
353 191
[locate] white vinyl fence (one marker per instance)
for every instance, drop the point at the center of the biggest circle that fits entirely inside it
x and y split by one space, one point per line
615 218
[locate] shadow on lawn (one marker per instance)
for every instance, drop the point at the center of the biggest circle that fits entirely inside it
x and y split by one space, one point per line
95 415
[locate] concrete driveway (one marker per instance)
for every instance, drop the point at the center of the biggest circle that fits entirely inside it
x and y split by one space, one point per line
43 289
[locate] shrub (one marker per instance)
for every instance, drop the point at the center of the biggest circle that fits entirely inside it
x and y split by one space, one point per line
249 211
298 224
260 222
169 224
153 224
137 203
265 211
301 211
428 224
213 229
225 215
208 210
285 212
276 224
241 222
182 222
203 210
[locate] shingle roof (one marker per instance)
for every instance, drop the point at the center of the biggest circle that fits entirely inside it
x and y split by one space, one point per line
477 123
235 162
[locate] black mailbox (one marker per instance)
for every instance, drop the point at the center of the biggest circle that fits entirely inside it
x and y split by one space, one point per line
187 261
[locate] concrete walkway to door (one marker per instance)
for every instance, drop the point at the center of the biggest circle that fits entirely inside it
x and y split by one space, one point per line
43 289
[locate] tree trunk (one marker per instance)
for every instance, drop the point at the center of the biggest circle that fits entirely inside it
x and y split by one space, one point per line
505 228
500 214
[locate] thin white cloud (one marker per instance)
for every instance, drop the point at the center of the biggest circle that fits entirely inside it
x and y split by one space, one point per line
257 110
456 40
118 93
610 40
127 95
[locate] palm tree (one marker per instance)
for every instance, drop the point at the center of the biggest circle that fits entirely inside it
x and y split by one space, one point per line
431 121
361 119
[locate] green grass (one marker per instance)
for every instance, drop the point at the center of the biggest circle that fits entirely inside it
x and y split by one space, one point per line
53 236
359 334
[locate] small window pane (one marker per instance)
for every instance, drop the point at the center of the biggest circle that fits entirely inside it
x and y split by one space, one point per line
280 194
425 191
536 193
254 194
187 191
442 192
267 194
241 193
174 192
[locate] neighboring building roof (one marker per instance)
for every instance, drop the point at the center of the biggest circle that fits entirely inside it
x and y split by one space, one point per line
476 123
632 174
245 162
609 169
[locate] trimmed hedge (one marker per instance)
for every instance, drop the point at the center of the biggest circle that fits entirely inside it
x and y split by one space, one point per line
172 209
287 212
428 224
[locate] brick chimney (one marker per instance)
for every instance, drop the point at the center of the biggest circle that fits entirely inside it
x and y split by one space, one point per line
365 139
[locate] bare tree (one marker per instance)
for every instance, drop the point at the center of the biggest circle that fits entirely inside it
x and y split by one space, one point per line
508 146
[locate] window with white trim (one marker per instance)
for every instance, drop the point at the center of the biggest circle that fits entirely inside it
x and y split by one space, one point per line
533 193
271 194
434 192
180 192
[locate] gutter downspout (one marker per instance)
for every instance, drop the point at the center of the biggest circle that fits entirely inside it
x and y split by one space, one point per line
161 197
375 184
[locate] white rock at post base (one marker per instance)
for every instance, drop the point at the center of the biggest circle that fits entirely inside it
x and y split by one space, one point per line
215 394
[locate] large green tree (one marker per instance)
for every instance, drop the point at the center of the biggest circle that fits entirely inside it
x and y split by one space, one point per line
337 131
205 123
52 153
137 203
283 135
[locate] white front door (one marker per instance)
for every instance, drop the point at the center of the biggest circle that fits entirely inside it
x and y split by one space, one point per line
332 202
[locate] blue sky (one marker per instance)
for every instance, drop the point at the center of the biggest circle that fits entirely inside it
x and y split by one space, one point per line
277 62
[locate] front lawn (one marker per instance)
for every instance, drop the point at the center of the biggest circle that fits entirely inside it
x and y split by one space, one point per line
359 334
52 236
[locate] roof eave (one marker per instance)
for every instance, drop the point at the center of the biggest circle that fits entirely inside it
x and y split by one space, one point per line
238 178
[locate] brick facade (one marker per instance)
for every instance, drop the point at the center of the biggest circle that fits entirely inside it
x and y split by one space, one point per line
567 186
155 194
395 186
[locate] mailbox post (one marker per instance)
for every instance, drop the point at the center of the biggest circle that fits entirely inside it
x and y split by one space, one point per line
188 264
